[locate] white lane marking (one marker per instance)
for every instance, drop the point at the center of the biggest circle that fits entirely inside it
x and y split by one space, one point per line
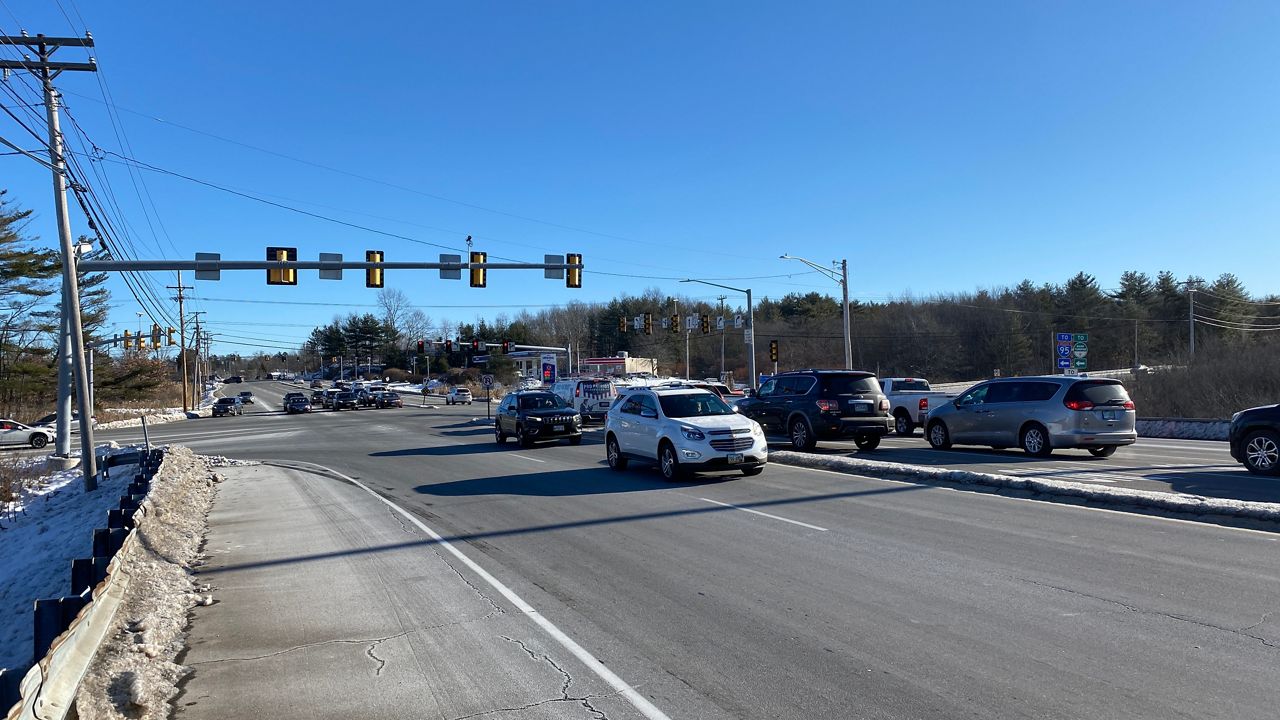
764 514
638 701
526 457
1046 503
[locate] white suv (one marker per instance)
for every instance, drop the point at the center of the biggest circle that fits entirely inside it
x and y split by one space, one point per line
458 395
683 430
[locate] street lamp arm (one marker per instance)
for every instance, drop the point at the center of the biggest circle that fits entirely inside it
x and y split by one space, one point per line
704 282
831 274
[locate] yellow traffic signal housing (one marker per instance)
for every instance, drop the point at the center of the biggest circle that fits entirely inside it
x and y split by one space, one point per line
172 342
573 276
155 335
773 351
675 323
706 324
622 325
478 274
282 276
128 339
373 276
141 342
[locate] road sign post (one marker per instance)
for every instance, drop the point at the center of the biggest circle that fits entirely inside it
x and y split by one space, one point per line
487 381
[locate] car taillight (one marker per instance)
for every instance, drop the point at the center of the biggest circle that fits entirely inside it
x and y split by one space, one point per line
1078 405
828 405
884 404
924 404
1128 405
577 392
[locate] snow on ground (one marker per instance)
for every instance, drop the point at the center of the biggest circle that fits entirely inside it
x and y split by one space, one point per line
164 415
50 523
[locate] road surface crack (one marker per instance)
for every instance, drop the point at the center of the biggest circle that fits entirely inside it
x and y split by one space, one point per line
497 609
583 700
1265 615
373 642
381 663
1142 611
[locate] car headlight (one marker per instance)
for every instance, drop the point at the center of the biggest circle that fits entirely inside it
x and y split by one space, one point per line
534 418
692 433
577 419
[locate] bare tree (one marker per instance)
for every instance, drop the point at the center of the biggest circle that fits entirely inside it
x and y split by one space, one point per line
395 307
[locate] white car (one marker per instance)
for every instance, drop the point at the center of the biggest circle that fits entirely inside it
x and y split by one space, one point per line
683 430
13 432
457 396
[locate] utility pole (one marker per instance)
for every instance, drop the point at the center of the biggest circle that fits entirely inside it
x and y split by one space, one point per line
1191 318
1135 344
722 329
197 385
71 340
848 338
182 342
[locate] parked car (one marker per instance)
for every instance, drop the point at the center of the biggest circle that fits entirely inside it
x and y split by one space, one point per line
812 405
533 416
49 422
297 404
13 432
1255 439
390 399
1038 414
246 397
683 430
457 395
235 379
591 397
344 401
909 401
228 406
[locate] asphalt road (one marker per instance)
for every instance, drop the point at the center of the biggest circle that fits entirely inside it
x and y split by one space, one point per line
802 593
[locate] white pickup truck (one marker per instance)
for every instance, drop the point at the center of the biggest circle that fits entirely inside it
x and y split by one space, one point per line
909 401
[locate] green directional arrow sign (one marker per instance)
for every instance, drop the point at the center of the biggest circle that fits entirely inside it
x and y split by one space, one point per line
1081 363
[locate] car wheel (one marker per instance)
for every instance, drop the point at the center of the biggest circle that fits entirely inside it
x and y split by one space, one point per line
867 442
38 441
939 436
526 440
1104 451
753 471
575 440
668 463
902 424
500 436
1262 452
1035 441
801 436
614 455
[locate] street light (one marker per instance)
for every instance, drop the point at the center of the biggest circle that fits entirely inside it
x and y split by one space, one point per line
749 337
841 278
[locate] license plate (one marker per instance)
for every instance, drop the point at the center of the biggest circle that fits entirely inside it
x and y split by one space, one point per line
1108 414
735 458
558 428
861 407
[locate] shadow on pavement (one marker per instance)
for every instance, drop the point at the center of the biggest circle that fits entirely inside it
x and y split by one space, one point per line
560 483
473 432
640 517
1230 485
445 450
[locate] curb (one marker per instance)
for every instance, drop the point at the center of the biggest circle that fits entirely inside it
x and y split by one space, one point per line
1110 496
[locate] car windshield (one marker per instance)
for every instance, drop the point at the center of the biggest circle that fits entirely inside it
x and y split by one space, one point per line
849 384
226 401
910 385
545 401
693 405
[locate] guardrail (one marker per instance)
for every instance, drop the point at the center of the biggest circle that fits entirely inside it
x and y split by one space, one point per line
69 629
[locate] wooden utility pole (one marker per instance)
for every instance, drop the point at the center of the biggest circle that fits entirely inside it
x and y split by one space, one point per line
182 339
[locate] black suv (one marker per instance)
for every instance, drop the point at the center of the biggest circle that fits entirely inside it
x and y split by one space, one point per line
344 400
1255 439
812 405
535 415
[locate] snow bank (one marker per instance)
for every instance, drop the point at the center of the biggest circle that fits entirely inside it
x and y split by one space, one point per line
133 674
1183 428
1104 494
166 415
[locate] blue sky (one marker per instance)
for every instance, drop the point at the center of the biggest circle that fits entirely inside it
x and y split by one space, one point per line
939 146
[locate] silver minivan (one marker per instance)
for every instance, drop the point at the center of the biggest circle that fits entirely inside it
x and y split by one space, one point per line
1038 414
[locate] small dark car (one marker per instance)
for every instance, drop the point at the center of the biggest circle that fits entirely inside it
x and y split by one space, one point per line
534 416
367 399
297 404
390 399
345 401
812 405
246 397
228 406
235 379
317 384
1255 439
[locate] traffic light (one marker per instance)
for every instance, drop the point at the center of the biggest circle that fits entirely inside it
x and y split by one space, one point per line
648 323
128 339
675 323
282 276
622 325
475 343
373 276
507 346
573 276
773 351
172 342
422 347
155 335
706 324
478 274
140 342
448 347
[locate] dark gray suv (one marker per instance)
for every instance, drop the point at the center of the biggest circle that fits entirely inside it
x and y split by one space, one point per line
1038 414
812 405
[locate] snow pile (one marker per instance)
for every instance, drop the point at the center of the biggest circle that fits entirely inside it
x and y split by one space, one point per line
217 461
48 523
1108 495
1183 428
133 674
